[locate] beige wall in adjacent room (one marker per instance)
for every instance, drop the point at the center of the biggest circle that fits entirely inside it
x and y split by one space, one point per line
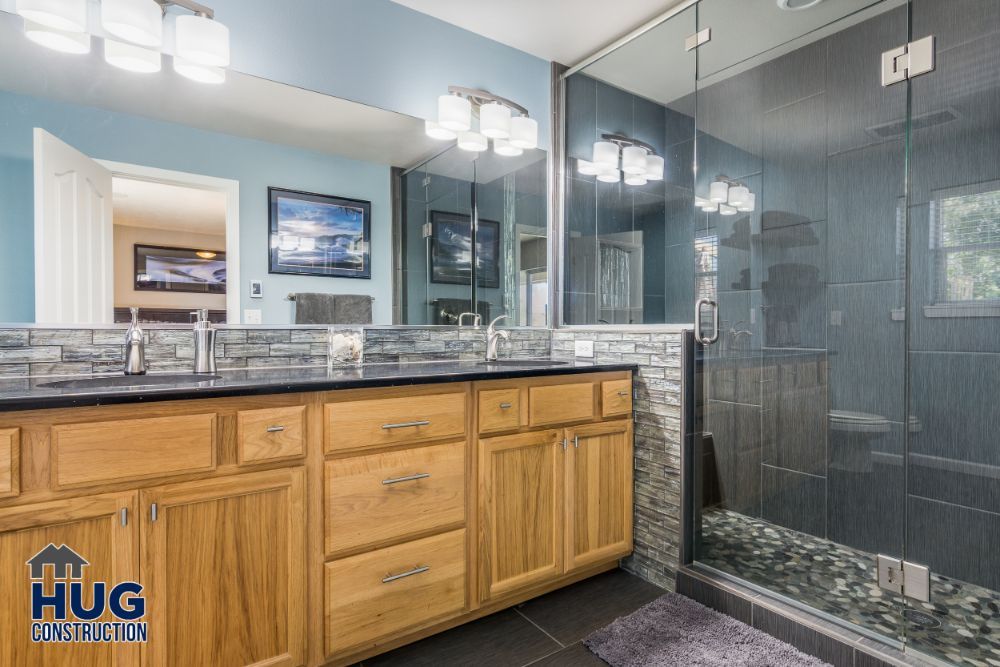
125 292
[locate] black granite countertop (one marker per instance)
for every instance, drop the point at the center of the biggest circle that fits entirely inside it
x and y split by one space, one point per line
31 394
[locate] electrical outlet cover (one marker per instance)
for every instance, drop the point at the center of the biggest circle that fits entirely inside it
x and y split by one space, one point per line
584 348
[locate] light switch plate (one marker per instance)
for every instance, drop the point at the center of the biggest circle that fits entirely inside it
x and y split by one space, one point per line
251 316
584 348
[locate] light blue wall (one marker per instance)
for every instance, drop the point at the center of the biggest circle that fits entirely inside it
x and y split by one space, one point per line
379 53
255 164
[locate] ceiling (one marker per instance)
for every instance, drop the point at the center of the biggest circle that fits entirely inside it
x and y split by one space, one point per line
244 105
565 31
153 205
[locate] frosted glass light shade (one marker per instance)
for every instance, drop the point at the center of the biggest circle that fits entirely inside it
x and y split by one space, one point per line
749 204
435 131
202 41
524 132
699 202
738 194
131 57
726 209
199 73
494 120
587 168
454 113
606 155
472 141
505 148
635 179
710 207
136 21
59 40
67 15
634 160
654 168
718 192
610 176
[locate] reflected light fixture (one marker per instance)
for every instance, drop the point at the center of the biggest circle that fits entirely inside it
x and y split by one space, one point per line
131 57
137 21
201 40
587 168
65 41
718 191
639 161
511 134
727 197
726 209
634 160
636 179
610 176
199 73
62 15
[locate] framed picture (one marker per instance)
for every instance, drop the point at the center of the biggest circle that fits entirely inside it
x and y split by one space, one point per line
166 269
319 235
451 250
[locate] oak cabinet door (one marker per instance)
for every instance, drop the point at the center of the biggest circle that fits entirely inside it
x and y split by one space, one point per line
520 502
100 529
598 493
224 564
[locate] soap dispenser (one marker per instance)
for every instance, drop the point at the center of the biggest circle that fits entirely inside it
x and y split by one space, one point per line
204 343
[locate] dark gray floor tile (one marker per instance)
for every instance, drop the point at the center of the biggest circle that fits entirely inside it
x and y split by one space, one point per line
575 655
572 613
503 639
714 597
803 638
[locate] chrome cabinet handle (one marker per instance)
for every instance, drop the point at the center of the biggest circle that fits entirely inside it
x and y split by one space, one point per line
565 443
623 393
408 478
275 429
576 441
406 424
506 406
402 575
706 340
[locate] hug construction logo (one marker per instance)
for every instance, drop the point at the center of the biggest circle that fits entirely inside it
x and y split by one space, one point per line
74 620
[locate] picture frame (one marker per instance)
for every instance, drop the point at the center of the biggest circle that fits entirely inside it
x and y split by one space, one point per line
159 268
318 235
451 255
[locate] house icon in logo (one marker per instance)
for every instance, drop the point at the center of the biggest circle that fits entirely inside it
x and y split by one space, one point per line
60 558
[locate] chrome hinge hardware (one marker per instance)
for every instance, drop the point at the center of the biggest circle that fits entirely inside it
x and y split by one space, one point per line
903 578
907 61
692 42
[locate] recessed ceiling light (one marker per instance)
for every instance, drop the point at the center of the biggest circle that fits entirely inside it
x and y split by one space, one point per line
796 5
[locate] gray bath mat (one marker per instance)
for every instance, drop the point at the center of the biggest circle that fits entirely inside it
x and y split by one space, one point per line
673 630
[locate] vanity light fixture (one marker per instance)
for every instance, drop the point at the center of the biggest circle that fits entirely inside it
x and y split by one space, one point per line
511 134
65 41
639 161
137 21
60 15
131 57
727 197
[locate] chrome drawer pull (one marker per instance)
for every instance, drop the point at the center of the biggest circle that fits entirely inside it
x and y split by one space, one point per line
275 429
406 424
408 478
505 406
409 573
623 393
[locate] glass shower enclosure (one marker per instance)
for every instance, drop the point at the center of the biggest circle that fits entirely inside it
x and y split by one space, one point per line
844 233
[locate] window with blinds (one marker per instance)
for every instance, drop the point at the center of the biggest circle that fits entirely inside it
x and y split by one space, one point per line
965 238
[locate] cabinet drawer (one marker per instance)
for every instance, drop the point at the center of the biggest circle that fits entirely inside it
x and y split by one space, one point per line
128 449
616 398
379 497
270 433
559 403
499 410
383 593
10 450
391 421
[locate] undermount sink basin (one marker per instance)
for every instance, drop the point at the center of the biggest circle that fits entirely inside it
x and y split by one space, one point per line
525 362
112 381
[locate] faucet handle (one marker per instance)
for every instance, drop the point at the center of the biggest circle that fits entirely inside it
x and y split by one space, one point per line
477 319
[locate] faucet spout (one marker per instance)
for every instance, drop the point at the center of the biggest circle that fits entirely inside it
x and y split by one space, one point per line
135 347
493 338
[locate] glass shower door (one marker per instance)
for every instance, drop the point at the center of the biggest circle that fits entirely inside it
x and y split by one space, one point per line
801 164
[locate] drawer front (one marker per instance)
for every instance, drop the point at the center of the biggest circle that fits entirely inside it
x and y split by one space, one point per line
381 594
380 497
499 410
271 433
10 450
130 449
560 403
393 421
616 398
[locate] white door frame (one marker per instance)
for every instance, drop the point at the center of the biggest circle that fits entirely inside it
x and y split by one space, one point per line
229 187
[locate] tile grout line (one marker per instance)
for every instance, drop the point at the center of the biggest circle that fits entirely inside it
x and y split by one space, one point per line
541 629
548 655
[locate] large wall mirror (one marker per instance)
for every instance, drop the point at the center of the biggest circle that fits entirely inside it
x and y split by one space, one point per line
264 203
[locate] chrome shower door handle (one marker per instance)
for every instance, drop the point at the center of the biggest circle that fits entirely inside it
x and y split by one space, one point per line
698 308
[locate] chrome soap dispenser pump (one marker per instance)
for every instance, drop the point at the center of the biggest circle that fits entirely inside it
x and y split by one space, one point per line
204 343
135 349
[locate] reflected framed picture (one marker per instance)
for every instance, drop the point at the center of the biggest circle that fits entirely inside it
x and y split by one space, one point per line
167 269
451 250
319 235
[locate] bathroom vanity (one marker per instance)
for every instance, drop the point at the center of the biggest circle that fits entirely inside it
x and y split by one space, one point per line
306 516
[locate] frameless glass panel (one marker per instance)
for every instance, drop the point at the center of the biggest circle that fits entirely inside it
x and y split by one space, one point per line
627 245
953 457
801 184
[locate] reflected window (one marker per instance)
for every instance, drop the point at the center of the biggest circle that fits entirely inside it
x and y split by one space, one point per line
966 240
706 263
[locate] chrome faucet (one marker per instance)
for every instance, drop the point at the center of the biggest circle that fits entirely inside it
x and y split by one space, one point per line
477 319
135 347
204 343
493 338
